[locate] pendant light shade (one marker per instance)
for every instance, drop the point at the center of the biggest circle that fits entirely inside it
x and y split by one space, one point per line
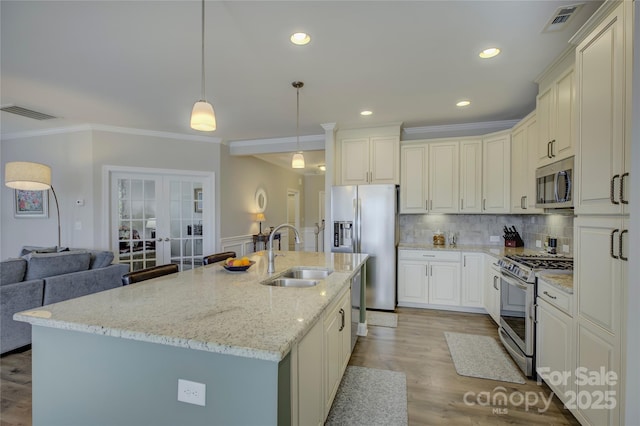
297 161
202 116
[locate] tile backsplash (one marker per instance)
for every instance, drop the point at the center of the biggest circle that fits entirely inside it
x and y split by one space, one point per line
478 228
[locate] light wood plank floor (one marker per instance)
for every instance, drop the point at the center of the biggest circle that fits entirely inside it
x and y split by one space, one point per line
435 392
417 347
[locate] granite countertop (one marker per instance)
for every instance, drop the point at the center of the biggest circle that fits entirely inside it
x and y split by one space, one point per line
494 250
562 280
208 308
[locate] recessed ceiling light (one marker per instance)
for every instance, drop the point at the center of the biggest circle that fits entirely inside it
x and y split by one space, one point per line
322 167
463 103
489 53
300 38
366 112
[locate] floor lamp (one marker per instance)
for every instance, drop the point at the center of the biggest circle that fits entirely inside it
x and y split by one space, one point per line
28 176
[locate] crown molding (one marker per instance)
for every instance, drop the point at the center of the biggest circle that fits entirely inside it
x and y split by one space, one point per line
111 129
594 20
481 128
274 145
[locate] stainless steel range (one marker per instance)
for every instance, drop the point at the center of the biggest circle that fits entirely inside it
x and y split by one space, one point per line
517 303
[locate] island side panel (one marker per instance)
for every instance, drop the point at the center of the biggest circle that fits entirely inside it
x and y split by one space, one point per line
83 378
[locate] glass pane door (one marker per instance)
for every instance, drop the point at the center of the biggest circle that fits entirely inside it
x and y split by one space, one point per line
136 221
186 222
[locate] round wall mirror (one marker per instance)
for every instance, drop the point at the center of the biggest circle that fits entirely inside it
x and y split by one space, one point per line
261 200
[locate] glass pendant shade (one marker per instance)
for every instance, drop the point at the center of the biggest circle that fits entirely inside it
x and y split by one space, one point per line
202 117
27 176
297 161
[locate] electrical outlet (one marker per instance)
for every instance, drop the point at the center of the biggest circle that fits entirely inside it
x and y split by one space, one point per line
565 248
192 392
539 243
494 239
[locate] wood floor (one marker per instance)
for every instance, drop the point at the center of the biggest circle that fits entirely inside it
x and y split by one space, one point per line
435 392
417 347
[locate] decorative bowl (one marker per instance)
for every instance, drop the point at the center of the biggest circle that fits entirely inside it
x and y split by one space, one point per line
238 268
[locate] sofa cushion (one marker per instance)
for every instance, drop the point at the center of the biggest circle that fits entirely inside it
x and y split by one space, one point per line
12 271
100 259
42 265
30 249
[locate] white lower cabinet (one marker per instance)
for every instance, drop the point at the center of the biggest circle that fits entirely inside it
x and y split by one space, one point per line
492 288
555 340
427 277
472 282
318 363
337 346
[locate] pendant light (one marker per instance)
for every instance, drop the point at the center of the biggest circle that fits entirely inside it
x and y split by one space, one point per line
202 116
297 161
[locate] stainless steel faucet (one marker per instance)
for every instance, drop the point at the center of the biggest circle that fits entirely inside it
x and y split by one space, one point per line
271 256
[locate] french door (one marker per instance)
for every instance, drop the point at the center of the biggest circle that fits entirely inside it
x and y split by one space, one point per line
158 219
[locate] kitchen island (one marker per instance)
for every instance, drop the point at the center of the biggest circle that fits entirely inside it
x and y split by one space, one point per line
116 357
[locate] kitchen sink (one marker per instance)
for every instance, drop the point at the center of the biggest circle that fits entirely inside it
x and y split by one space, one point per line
304 273
291 282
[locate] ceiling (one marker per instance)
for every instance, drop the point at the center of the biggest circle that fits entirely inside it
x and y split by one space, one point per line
136 64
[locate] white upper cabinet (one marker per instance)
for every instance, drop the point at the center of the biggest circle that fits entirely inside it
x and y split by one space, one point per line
443 177
496 176
369 158
414 174
555 112
524 145
471 176
603 74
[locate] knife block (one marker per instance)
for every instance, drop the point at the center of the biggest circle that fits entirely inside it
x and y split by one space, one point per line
513 241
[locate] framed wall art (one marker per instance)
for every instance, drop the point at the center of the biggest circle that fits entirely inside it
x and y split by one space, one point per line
31 204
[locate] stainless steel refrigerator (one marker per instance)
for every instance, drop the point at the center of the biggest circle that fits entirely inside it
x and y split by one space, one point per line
364 220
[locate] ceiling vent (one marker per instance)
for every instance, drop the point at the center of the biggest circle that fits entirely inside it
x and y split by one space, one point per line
561 18
29 113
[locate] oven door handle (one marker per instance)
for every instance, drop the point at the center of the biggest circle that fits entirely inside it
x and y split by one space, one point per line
509 278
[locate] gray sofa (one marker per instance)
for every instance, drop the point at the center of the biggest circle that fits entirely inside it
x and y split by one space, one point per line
42 278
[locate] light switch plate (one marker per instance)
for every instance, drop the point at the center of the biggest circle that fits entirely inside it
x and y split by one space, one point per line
539 243
565 248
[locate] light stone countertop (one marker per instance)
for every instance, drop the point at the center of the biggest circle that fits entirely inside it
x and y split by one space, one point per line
493 250
209 308
561 280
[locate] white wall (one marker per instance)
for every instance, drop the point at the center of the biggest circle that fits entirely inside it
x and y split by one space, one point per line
70 157
76 158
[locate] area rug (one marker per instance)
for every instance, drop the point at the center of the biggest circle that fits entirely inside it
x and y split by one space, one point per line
481 356
368 396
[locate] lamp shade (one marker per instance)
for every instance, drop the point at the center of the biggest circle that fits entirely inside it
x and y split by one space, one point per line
297 161
151 223
260 217
27 176
202 117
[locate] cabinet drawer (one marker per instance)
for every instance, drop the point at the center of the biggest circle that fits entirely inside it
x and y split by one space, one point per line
428 255
554 296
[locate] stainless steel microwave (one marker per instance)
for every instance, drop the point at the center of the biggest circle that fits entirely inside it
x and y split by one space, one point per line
554 185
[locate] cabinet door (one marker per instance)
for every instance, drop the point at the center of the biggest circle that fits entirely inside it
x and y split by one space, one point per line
346 332
384 160
414 179
546 122
443 177
333 356
310 397
529 183
599 271
518 169
496 182
444 283
413 282
472 282
554 342
355 161
564 116
492 290
600 79
471 176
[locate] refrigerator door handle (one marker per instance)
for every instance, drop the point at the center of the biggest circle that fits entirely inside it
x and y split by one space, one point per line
359 226
356 227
